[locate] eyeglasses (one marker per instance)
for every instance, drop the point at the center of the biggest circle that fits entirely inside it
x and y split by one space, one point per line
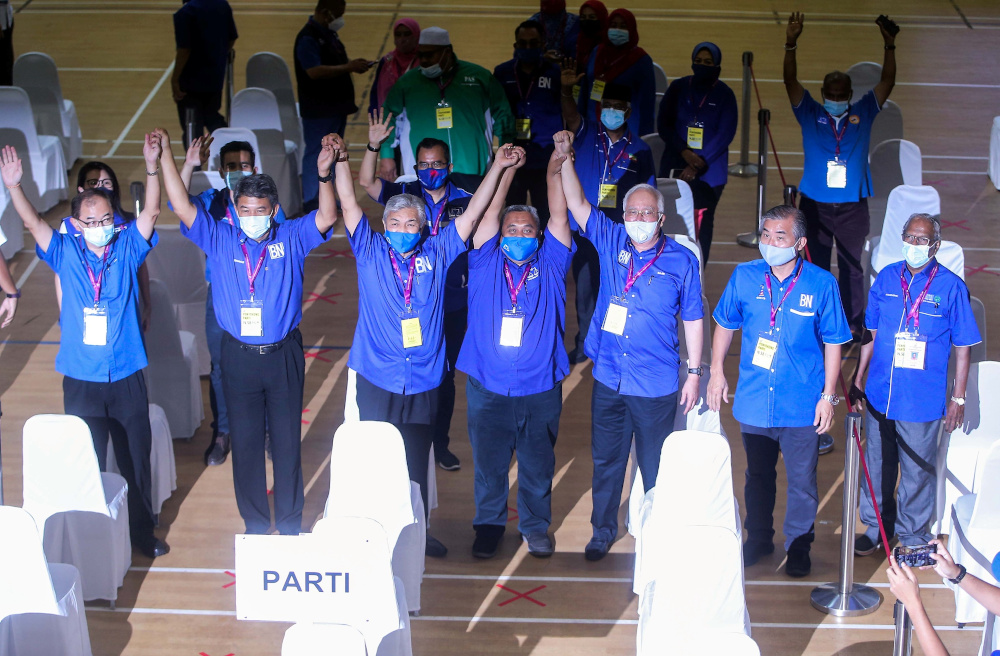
644 213
105 183
106 221
437 165
915 239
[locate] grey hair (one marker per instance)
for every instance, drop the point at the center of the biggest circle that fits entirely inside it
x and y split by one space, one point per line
521 208
935 223
644 187
403 202
782 212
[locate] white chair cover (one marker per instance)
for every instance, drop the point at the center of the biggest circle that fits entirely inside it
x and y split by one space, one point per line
162 464
660 76
11 228
44 181
315 639
864 76
976 537
994 164
36 73
978 351
888 124
267 70
681 220
202 181
904 201
81 513
656 145
221 137
895 162
172 375
256 109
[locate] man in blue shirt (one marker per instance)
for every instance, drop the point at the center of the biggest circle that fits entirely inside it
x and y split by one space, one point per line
917 310
647 279
793 326
444 202
257 271
516 360
101 349
836 180
398 348
532 87
560 29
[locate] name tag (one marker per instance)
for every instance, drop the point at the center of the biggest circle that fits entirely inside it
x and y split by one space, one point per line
511 328
523 126
910 351
763 355
411 332
696 137
251 319
95 326
597 90
607 195
836 174
614 319
444 121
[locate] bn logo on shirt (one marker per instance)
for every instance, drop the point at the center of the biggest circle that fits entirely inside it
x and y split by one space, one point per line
544 83
623 257
276 251
806 301
423 264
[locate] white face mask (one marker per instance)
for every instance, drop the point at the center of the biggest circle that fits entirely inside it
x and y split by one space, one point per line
915 255
432 71
255 226
641 231
777 255
100 235
336 24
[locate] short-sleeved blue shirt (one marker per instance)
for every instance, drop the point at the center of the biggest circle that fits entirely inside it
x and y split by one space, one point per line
377 352
279 282
811 316
945 319
643 361
125 351
540 362
819 142
597 165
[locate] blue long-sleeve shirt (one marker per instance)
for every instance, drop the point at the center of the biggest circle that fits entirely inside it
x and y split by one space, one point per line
638 77
684 105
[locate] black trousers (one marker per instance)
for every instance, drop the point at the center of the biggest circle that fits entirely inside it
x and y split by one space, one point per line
468 181
587 276
413 414
206 108
706 199
256 386
7 57
455 325
530 181
120 409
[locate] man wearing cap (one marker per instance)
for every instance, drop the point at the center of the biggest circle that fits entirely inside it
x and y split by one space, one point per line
917 310
257 271
455 101
647 280
793 326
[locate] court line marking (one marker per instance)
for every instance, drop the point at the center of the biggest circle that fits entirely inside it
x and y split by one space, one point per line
142 108
27 272
799 153
898 84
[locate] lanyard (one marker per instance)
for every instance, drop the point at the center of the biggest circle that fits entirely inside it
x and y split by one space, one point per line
408 283
633 277
767 281
230 212
437 219
609 165
531 83
442 88
913 314
514 291
836 136
252 275
707 94
97 281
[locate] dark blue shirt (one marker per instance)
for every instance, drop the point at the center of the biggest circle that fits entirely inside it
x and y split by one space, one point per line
125 351
644 360
377 352
946 319
540 362
279 282
640 78
206 28
597 165
561 31
811 316
534 97
715 109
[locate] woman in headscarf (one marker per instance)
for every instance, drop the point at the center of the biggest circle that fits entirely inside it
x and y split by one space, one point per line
406 33
593 30
619 59
697 122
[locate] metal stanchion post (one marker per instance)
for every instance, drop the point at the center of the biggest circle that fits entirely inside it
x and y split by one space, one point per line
744 169
751 239
230 85
138 191
189 121
901 642
847 598
791 195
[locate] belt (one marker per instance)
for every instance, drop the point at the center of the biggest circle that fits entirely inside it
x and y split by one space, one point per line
264 349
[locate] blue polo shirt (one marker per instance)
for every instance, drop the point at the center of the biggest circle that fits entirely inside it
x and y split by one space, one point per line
205 27
377 352
811 316
643 361
540 362
534 97
455 200
946 319
597 165
279 282
819 143
125 352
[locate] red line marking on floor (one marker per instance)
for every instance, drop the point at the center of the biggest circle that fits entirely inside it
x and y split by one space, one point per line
955 224
231 583
332 252
521 595
315 353
970 271
511 514
305 421
317 297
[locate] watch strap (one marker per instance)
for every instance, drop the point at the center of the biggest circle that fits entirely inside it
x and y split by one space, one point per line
961 575
326 178
697 371
16 294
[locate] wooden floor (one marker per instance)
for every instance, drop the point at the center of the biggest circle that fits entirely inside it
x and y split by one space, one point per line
116 57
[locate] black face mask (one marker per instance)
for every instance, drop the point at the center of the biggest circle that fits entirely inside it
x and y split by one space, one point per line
705 74
590 28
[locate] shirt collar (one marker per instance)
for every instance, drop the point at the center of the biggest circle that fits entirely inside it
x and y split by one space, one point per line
926 271
326 30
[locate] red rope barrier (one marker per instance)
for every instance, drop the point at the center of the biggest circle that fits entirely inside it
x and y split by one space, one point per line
770 136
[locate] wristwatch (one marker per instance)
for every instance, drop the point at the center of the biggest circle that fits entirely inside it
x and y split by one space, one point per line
327 177
370 149
16 294
697 371
832 399
961 575
958 400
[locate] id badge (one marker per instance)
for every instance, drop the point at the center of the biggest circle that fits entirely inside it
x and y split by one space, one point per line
511 328
696 137
444 121
614 320
763 355
523 126
95 326
836 174
597 91
910 351
410 324
607 195
251 319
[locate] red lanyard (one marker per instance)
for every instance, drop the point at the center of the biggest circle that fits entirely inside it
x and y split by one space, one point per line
531 83
767 281
229 214
252 276
514 291
836 136
608 163
913 314
633 277
98 280
707 94
437 219
408 283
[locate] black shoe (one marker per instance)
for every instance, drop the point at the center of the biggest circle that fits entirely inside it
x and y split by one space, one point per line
798 564
267 444
753 551
825 444
865 546
577 355
447 460
220 449
540 545
434 548
596 549
487 541
156 548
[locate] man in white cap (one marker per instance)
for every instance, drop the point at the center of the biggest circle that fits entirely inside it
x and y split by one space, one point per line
455 101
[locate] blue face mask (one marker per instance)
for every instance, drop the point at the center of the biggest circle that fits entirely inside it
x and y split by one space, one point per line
528 55
915 255
519 249
432 178
617 36
402 242
233 178
612 118
835 107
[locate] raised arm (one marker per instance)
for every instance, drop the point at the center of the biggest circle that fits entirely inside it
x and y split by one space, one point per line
888 81
507 156
11 170
345 185
490 224
146 220
197 155
576 200
569 78
380 126
326 215
791 69
558 224
176 190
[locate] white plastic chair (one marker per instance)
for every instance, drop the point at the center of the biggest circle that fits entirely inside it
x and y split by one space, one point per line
976 538
172 375
44 181
383 493
706 642
162 464
656 145
41 605
864 76
904 201
887 124
677 195
314 639
10 226
223 136
660 78
978 352
895 162
268 70
994 163
36 73
81 513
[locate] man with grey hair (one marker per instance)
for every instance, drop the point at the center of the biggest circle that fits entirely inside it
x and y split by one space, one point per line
647 279
398 348
789 363
917 310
